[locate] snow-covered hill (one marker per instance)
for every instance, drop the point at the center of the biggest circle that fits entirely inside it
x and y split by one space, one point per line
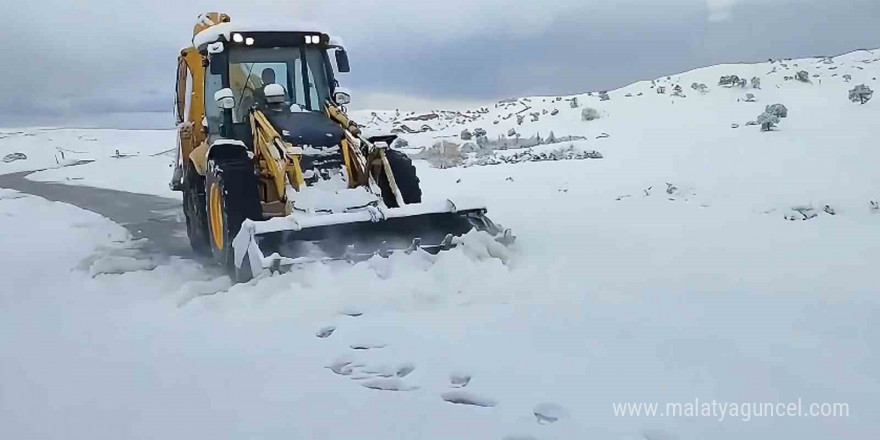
677 267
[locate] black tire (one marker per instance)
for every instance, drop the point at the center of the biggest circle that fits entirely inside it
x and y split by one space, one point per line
194 206
405 176
232 196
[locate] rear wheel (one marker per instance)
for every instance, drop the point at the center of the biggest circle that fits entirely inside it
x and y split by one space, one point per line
194 210
232 197
405 177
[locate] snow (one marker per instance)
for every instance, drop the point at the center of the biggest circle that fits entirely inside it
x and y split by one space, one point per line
126 160
666 271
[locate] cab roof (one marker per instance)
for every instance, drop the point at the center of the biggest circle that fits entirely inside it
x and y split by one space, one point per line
225 30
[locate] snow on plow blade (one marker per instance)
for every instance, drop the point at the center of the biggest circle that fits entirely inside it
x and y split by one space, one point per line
281 242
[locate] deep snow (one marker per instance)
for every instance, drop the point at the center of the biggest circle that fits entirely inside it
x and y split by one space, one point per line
617 290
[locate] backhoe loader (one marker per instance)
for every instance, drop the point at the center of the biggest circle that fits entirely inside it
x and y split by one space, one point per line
274 173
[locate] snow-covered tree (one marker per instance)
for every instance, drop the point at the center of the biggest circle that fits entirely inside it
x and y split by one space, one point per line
861 94
777 109
589 114
603 96
551 139
574 102
466 135
767 120
756 82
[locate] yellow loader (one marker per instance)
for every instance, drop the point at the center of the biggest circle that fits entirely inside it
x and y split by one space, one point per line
274 173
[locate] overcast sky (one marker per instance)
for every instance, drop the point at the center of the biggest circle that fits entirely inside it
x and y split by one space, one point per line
65 59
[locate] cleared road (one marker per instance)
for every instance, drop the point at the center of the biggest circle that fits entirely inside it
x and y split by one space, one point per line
158 219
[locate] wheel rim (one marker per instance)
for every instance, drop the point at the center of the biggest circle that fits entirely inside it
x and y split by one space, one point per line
216 217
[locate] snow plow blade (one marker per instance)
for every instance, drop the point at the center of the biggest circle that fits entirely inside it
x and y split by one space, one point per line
280 243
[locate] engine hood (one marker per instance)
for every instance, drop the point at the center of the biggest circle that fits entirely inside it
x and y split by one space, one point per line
306 128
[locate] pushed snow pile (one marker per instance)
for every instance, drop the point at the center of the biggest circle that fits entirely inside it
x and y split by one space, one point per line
119 265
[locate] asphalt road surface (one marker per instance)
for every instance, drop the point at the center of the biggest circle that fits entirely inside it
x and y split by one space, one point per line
158 219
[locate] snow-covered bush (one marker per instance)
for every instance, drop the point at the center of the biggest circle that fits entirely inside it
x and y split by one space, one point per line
702 88
469 147
756 82
482 140
678 92
563 153
661 90
847 77
732 80
803 76
777 109
400 143
589 114
603 96
442 154
466 135
750 97
479 132
574 102
861 94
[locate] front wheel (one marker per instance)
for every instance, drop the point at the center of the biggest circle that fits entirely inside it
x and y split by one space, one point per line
194 210
232 197
405 177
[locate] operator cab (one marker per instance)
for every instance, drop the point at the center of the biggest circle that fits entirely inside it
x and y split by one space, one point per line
287 75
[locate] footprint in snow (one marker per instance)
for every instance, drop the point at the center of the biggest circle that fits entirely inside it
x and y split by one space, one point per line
387 384
325 332
549 413
366 345
458 380
343 366
403 370
351 311
466 398
384 371
656 434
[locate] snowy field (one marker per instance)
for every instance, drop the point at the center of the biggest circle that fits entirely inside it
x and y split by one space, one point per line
667 271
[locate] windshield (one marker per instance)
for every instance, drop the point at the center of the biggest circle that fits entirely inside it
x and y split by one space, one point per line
300 70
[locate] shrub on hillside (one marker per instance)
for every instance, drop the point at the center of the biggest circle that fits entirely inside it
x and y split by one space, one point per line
589 114
861 94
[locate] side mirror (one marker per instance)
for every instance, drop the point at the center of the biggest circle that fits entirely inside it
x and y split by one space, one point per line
342 61
225 99
342 96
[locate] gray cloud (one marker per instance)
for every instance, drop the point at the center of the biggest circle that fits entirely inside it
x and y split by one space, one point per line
64 58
